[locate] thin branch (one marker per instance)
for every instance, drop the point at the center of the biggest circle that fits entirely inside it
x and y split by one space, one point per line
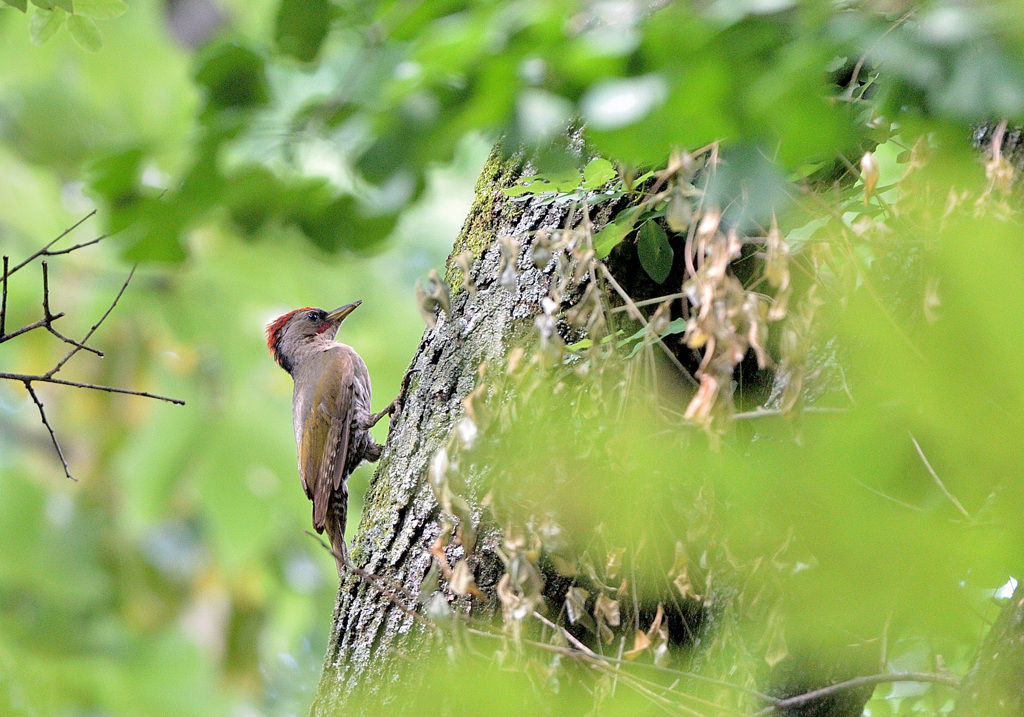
97 240
851 85
566 634
46 293
48 318
636 684
769 412
636 312
28 327
69 340
79 346
648 302
44 251
3 304
897 501
863 681
577 654
632 681
53 436
47 322
935 477
30 378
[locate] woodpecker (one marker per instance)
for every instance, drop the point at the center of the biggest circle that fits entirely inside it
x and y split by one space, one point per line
330 411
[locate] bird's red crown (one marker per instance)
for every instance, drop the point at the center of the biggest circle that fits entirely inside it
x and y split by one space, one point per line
274 329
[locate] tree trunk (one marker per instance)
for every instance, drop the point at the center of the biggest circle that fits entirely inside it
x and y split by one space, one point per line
995 685
400 517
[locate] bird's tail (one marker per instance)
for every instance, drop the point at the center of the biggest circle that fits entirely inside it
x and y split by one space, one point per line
337 515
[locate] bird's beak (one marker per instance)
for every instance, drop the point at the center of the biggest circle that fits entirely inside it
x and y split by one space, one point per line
338 315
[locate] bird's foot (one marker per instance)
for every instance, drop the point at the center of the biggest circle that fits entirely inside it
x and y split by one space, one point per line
396 406
393 409
373 419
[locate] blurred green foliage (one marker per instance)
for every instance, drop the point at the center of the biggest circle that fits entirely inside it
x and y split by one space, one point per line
874 529
174 578
290 156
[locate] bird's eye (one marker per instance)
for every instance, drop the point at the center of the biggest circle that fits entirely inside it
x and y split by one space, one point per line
313 316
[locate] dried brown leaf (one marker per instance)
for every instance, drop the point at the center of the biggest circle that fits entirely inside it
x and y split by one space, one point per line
640 643
462 582
607 610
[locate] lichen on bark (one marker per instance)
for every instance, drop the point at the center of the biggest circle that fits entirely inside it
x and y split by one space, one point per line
491 211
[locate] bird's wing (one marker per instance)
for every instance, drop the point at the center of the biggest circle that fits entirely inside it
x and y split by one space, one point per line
311 447
326 442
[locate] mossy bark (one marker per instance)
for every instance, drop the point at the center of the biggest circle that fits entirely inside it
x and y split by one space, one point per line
490 214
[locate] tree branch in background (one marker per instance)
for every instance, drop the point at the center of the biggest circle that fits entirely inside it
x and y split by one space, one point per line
798 700
47 322
53 436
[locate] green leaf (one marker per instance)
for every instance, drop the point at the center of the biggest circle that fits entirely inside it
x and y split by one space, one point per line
17 4
155 231
301 27
86 32
116 177
529 185
564 180
234 77
161 244
44 24
654 251
45 4
64 5
100 9
677 326
598 173
613 234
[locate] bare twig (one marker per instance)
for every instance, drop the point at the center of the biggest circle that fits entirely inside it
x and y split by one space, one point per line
592 657
768 412
632 681
76 247
46 249
28 327
3 304
53 436
46 293
648 302
79 346
938 481
888 497
862 681
566 634
31 378
851 85
49 317
69 340
636 313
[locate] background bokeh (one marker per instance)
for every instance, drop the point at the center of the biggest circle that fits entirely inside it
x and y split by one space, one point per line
174 577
